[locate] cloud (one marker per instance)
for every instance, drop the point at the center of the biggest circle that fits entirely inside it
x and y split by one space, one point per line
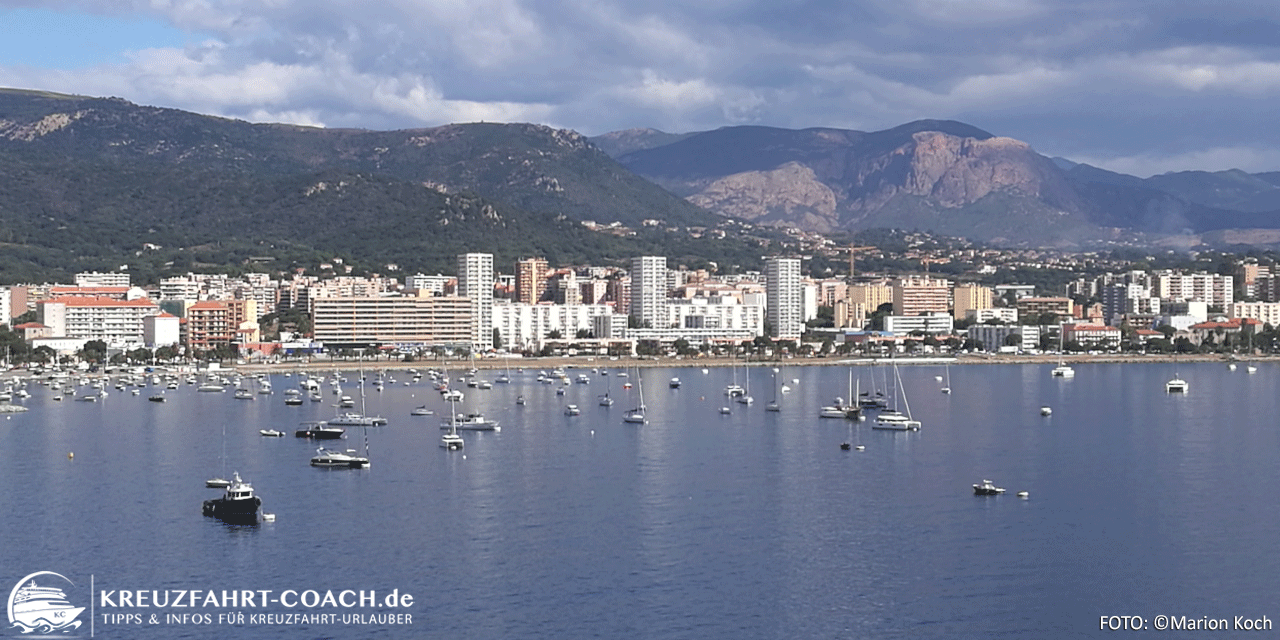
1126 80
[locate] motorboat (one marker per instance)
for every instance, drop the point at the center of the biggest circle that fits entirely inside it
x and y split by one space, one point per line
421 411
674 383
271 433
451 395
319 431
606 401
156 398
832 411
238 505
1046 410
351 419
293 401
346 402
572 410
1176 385
339 459
472 422
773 406
520 400
725 411
635 416
217 483
987 488
243 394
1063 370
452 441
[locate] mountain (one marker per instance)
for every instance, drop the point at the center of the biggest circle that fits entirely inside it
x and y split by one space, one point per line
93 179
942 176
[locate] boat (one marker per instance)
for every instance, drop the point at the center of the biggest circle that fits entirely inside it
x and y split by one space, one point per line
520 400
156 398
1044 411
606 401
352 419
572 410
1251 369
472 422
238 505
217 483
1176 385
987 488
243 394
674 383
834 410
892 419
421 411
873 399
724 411
319 431
346 402
451 440
636 415
451 395
293 401
946 385
348 459
271 433
1063 370
42 609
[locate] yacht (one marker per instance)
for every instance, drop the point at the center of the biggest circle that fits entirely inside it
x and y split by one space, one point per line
271 433
339 459
471 422
350 419
1176 385
835 410
421 411
1063 370
987 488
237 505
243 394
572 410
319 431
34 607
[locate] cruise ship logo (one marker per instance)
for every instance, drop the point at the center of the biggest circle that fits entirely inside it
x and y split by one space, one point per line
42 607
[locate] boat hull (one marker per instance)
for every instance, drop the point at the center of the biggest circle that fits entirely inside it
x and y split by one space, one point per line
233 511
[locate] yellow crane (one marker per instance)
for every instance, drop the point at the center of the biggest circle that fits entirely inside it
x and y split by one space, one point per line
853 253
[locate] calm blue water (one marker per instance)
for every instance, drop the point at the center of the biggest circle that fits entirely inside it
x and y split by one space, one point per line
697 525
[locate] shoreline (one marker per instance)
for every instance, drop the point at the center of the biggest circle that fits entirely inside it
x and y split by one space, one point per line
606 362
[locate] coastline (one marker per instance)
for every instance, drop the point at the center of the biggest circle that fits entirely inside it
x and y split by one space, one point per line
607 362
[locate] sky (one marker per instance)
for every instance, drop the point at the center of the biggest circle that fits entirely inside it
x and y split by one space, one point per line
1137 86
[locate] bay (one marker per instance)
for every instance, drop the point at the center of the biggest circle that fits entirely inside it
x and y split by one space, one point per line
698 524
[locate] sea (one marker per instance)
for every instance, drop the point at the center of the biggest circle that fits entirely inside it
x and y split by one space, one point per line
1143 509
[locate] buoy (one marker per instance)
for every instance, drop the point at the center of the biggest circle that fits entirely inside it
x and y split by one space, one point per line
593 432
464 456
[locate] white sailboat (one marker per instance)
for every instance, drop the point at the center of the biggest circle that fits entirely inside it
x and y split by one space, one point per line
891 419
451 440
636 415
946 385
1063 370
773 404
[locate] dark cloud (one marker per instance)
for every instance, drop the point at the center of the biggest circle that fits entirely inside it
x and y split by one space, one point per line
1130 83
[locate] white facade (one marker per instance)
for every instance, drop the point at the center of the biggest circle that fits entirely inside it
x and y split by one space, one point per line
649 289
435 284
1265 312
993 337
6 306
932 323
1208 287
784 297
95 279
1006 315
161 330
525 326
715 313
475 282
115 322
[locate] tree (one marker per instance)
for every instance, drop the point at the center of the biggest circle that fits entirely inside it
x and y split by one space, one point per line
554 334
584 334
94 351
166 353
1012 340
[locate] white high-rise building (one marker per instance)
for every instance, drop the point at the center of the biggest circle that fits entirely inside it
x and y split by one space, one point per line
649 290
784 297
475 282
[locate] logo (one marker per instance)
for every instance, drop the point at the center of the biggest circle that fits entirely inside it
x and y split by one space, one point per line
42 607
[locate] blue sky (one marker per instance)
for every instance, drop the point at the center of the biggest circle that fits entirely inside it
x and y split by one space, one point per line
1131 85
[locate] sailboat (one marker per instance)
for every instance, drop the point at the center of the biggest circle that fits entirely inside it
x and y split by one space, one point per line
636 415
353 419
892 419
745 397
873 399
1062 370
946 386
451 440
773 404
221 482
605 400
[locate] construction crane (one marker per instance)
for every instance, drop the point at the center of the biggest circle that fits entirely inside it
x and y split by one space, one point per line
853 253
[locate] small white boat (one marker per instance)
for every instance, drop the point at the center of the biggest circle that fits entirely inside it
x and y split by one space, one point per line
421 411
725 410
1044 411
572 410
987 488
271 433
1176 385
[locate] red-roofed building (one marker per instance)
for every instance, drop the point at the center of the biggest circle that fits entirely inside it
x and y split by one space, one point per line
33 330
116 322
72 291
1219 332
